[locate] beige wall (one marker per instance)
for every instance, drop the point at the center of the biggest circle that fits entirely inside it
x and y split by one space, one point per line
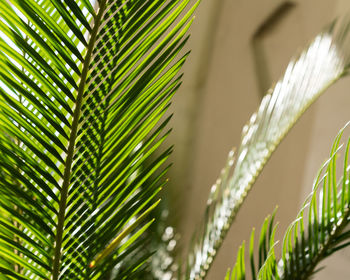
223 86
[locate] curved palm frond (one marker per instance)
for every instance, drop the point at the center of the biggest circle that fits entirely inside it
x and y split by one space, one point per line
319 230
266 243
82 90
321 64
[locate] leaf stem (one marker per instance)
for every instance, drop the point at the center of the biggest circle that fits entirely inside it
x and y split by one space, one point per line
71 145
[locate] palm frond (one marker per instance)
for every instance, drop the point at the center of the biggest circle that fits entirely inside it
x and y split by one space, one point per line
84 87
321 64
257 258
319 230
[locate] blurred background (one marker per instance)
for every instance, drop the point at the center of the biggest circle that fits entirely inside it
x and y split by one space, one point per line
239 49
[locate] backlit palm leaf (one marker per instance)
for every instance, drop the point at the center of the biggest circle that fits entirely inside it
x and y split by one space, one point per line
306 78
319 230
84 85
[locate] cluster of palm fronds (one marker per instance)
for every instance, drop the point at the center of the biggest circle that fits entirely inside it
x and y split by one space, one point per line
84 89
307 76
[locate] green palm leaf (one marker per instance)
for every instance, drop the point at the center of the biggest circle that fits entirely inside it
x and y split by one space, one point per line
321 64
266 244
84 87
319 230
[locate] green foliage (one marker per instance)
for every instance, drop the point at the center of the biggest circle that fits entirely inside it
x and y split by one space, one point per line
319 230
84 90
85 86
